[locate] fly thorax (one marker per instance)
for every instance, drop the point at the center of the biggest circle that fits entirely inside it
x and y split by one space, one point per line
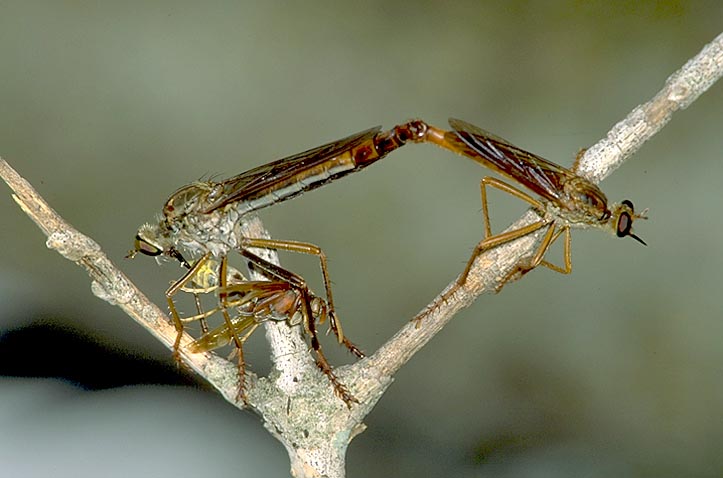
586 202
188 234
187 200
216 232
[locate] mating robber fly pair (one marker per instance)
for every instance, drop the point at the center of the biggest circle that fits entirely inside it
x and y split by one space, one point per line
203 220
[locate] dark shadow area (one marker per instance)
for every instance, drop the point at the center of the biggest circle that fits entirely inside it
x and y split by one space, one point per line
50 349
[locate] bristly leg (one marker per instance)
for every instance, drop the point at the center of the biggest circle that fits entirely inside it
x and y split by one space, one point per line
339 389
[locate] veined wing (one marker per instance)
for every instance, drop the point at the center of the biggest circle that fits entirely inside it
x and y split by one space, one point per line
282 173
535 173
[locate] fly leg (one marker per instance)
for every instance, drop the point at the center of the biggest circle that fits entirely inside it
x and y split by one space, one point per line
278 273
237 340
310 249
172 291
491 241
552 234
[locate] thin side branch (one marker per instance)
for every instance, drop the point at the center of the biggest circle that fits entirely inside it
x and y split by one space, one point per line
599 161
109 283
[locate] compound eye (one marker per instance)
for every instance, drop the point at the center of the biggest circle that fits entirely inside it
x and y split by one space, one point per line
146 247
629 204
624 225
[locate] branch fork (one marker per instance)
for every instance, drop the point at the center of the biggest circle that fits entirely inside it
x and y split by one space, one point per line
296 401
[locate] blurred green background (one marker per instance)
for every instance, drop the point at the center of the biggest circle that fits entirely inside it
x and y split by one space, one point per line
108 107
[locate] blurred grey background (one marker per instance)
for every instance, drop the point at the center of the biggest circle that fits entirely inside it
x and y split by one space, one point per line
108 107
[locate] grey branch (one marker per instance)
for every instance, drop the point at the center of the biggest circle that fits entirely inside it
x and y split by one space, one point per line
599 161
296 401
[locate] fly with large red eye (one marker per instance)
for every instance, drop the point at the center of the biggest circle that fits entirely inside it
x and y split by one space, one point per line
566 199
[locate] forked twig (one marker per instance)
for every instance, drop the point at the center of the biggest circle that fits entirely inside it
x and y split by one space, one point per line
599 161
296 402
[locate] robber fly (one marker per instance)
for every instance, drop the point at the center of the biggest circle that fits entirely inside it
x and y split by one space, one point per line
204 219
246 304
567 199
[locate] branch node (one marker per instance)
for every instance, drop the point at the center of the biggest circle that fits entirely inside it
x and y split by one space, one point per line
72 246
